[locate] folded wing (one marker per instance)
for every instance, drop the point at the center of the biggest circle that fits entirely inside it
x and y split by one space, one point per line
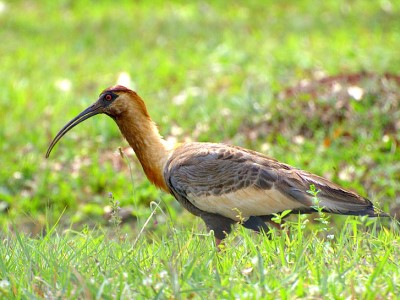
238 183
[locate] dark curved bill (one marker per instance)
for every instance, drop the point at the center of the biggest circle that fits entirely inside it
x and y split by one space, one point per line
91 111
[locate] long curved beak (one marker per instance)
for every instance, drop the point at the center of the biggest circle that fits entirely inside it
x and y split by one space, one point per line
91 111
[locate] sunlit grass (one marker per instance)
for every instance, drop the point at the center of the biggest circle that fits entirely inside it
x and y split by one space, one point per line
357 260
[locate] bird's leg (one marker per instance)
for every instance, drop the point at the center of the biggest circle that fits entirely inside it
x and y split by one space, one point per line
221 226
256 224
218 243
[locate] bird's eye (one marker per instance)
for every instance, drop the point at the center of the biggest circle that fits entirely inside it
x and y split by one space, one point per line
108 97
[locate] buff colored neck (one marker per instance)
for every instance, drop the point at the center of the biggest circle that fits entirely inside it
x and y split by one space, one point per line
150 148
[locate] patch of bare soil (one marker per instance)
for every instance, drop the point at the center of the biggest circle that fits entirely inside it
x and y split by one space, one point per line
319 102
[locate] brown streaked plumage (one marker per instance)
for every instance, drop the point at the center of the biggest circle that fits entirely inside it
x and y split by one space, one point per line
222 184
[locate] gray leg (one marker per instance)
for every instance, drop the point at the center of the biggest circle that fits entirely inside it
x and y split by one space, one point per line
256 224
221 226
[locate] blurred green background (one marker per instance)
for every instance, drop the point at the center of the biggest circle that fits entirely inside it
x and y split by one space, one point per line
250 73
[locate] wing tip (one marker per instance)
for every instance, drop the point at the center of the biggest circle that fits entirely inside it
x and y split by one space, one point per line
373 211
370 211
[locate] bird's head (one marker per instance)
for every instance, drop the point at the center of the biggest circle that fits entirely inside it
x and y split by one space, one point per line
114 102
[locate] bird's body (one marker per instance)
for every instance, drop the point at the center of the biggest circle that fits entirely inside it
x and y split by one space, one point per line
212 180
222 184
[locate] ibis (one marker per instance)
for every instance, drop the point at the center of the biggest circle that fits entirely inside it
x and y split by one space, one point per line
220 183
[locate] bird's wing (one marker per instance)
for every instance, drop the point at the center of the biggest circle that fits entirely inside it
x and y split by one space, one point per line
239 183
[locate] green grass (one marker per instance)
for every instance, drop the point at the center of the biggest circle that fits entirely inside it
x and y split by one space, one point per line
357 261
208 73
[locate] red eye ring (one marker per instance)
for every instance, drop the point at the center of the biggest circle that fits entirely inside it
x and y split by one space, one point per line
108 97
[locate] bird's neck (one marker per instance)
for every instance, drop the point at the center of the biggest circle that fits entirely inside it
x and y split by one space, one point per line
150 148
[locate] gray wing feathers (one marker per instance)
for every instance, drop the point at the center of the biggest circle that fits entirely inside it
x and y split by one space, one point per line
216 169
331 197
205 169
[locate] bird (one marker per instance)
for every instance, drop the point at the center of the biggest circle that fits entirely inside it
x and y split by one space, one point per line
222 184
